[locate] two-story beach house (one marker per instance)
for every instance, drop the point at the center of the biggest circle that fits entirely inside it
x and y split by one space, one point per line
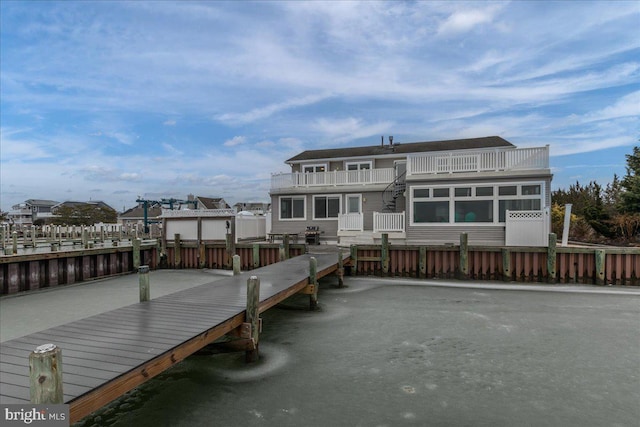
417 193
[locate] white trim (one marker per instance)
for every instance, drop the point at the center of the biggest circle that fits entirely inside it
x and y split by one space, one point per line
304 208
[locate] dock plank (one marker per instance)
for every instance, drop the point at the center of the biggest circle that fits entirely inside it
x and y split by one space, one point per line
108 354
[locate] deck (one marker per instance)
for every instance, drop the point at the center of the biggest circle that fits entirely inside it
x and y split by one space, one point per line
106 355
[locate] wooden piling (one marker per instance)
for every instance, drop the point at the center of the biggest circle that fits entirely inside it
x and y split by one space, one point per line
600 256
285 243
464 256
313 281
384 258
340 271
354 259
177 251
506 265
14 242
252 316
551 258
143 280
281 253
45 375
85 238
236 265
256 255
136 252
422 262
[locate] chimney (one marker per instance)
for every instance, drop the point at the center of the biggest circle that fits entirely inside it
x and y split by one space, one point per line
390 140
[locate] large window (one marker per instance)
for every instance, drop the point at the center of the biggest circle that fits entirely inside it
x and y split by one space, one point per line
292 208
473 203
326 207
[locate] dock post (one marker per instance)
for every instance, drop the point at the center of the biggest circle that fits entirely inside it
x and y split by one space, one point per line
600 258
85 238
14 236
313 281
177 251
422 262
143 280
281 252
464 256
506 265
253 316
45 375
354 259
340 271
551 258
236 265
102 234
136 252
34 236
385 253
3 237
285 243
256 255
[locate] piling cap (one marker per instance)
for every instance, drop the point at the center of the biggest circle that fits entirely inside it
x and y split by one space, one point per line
143 269
45 348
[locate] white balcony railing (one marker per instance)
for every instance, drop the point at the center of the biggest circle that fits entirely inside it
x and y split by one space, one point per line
478 161
350 222
388 222
334 178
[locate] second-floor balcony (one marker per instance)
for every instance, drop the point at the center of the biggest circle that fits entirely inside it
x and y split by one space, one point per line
420 164
334 178
478 161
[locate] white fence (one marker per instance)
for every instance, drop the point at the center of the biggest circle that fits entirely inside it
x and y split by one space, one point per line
214 225
350 222
527 228
388 222
250 227
478 161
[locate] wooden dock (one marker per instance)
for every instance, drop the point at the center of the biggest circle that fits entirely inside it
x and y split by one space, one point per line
107 355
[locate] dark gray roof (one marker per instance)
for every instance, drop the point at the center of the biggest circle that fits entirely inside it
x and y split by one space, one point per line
403 148
41 202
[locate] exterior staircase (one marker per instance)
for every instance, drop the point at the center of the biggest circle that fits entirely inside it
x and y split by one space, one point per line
392 192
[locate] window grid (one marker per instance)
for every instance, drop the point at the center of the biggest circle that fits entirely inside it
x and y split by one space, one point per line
489 200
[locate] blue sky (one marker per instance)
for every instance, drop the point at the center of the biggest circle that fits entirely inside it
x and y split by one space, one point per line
114 100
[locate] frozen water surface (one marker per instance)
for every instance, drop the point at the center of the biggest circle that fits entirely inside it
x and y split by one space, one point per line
390 352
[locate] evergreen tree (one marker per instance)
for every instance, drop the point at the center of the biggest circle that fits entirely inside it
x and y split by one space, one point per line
631 183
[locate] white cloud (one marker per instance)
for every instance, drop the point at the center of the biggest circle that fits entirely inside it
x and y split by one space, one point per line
169 122
236 140
348 129
462 21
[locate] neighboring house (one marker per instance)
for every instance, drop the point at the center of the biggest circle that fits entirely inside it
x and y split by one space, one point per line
256 208
136 215
210 203
420 193
30 211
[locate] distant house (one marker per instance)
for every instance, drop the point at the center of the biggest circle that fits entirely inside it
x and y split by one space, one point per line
256 208
210 203
136 215
30 211
419 193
